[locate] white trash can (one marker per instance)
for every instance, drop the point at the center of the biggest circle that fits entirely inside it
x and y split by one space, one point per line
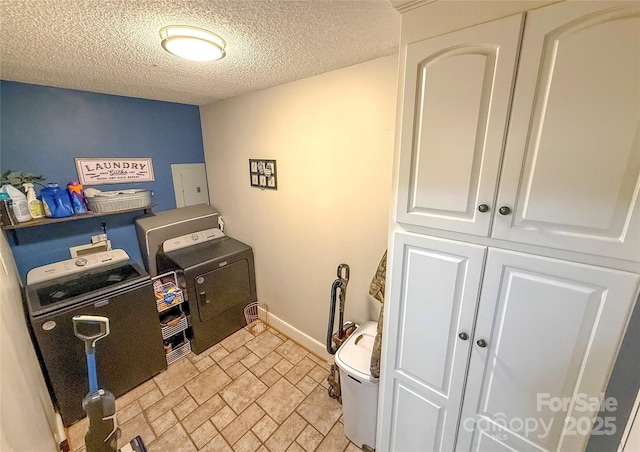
359 389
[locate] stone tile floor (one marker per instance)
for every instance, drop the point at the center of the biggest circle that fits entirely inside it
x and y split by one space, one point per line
250 392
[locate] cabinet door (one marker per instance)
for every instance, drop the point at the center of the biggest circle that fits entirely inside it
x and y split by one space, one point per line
552 330
433 297
571 172
457 91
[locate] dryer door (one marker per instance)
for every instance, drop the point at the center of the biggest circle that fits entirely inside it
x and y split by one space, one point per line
222 289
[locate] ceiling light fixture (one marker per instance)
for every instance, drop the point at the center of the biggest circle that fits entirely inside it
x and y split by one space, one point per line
192 43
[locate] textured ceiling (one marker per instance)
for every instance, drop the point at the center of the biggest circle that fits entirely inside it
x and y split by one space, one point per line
113 46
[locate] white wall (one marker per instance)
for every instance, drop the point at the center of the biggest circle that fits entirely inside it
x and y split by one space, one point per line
332 137
27 419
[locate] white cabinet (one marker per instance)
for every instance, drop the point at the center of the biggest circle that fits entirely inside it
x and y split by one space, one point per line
434 300
546 330
454 116
551 330
570 176
517 134
571 172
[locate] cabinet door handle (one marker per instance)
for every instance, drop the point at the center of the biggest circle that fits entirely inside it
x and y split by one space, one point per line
504 210
481 343
464 336
483 208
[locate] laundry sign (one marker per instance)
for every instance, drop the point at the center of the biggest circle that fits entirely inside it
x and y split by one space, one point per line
94 171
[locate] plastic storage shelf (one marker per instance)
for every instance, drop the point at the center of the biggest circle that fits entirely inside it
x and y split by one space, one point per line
168 331
179 352
168 296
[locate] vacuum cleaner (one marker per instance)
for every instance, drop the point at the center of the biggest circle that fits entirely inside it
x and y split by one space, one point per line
335 340
100 404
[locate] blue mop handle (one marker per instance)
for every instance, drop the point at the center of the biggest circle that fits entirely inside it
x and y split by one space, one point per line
93 375
90 343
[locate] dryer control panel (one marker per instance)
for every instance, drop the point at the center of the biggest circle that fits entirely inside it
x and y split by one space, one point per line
194 238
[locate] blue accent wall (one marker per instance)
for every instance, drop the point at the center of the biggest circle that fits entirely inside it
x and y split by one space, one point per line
43 129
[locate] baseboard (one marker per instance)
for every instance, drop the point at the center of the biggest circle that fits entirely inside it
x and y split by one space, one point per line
314 346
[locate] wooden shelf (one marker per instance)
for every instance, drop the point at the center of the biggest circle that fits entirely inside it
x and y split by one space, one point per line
80 216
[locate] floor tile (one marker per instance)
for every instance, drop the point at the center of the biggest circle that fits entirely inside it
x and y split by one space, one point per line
265 364
295 447
150 398
236 340
335 440
318 373
250 360
320 410
236 370
253 392
207 383
264 428
175 440
204 363
248 443
176 375
306 385
270 377
203 434
217 444
264 344
198 417
243 391
242 424
164 423
135 394
309 438
223 417
128 412
299 370
233 357
292 352
280 400
136 426
283 366
286 433
185 407
165 404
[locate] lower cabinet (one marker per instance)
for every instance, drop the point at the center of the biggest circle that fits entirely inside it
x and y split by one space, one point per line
496 350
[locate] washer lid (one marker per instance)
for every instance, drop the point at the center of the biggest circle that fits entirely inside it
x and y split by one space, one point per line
99 282
76 265
354 356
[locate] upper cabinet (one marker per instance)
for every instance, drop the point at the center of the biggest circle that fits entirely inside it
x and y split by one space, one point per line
570 174
457 91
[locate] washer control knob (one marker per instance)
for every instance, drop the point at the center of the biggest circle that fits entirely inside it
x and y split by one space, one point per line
81 262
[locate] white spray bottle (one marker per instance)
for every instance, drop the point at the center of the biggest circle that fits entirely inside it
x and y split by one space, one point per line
35 207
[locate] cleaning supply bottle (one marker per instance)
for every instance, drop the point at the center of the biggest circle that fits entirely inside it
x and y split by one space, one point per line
77 198
7 218
57 203
35 206
19 201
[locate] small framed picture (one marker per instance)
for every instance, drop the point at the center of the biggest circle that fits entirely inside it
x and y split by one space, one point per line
263 174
